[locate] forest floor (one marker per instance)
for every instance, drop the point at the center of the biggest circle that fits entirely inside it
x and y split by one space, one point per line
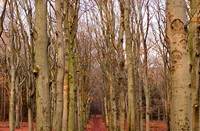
95 124
4 126
157 126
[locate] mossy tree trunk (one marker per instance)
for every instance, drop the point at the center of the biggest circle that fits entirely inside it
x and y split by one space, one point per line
72 29
195 62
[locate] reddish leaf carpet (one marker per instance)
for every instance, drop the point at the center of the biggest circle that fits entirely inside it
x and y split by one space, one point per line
96 124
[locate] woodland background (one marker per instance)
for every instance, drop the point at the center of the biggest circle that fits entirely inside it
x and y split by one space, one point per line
131 61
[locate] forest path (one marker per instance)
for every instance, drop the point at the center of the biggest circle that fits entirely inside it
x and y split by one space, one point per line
96 124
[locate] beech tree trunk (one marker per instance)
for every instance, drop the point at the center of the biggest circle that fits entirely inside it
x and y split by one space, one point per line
129 59
72 29
71 118
65 102
66 75
113 110
195 62
17 106
12 72
180 88
61 68
121 75
72 89
41 68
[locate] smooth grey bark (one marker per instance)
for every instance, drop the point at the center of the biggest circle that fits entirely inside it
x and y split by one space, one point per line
180 78
41 68
61 68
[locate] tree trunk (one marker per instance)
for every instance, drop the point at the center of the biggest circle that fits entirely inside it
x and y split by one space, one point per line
66 75
166 98
129 59
141 107
41 68
1 97
12 101
72 92
121 76
194 57
180 90
4 102
17 106
61 68
158 114
12 72
145 62
65 101
147 101
106 110
29 94
30 91
112 102
139 93
121 104
30 118
72 29
146 89
28 53
2 17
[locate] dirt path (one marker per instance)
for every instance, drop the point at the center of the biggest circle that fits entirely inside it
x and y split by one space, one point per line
96 124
